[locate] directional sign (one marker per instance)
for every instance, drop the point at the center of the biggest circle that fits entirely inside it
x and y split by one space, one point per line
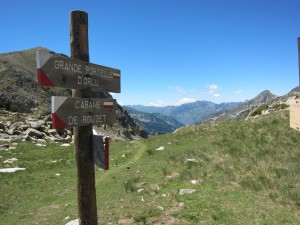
76 112
56 70
101 151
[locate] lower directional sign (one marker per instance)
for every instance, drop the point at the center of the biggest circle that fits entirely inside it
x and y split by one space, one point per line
76 112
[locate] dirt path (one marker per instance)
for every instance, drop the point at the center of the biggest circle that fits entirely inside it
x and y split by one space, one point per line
139 149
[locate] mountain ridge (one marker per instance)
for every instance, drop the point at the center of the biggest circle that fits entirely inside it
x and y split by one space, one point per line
19 92
188 113
246 109
154 122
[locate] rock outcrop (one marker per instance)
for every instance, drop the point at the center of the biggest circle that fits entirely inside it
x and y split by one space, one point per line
25 127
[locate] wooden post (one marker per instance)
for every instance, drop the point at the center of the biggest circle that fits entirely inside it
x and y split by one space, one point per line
299 58
86 196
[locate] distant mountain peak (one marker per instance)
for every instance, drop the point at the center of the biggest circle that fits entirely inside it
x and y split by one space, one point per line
266 92
243 110
264 97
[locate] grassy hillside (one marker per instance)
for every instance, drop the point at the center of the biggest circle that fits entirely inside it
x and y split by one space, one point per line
242 173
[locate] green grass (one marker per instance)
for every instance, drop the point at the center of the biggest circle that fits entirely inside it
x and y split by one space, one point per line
247 173
34 195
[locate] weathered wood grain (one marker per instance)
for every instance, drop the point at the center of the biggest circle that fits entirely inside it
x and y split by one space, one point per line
86 191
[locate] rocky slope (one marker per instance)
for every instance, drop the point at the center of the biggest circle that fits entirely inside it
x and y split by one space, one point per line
263 103
16 127
285 98
19 92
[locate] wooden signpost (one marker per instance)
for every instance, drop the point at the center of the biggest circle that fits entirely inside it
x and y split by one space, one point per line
295 104
81 111
298 40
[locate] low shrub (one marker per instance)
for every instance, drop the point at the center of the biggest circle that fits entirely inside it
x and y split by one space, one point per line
259 110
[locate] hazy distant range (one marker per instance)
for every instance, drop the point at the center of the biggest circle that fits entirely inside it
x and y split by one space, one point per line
189 113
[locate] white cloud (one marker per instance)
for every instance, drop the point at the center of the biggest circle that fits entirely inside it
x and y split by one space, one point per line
212 88
193 90
184 101
238 91
158 104
182 90
180 102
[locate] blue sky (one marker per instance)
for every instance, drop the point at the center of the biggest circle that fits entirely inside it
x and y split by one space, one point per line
172 51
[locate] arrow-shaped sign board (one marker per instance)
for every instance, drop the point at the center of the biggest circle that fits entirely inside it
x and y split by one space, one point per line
76 112
56 70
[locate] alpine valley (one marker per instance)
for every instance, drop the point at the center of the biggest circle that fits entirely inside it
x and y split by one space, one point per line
189 113
169 118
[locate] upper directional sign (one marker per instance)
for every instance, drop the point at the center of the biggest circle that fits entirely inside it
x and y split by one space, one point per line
76 112
61 71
